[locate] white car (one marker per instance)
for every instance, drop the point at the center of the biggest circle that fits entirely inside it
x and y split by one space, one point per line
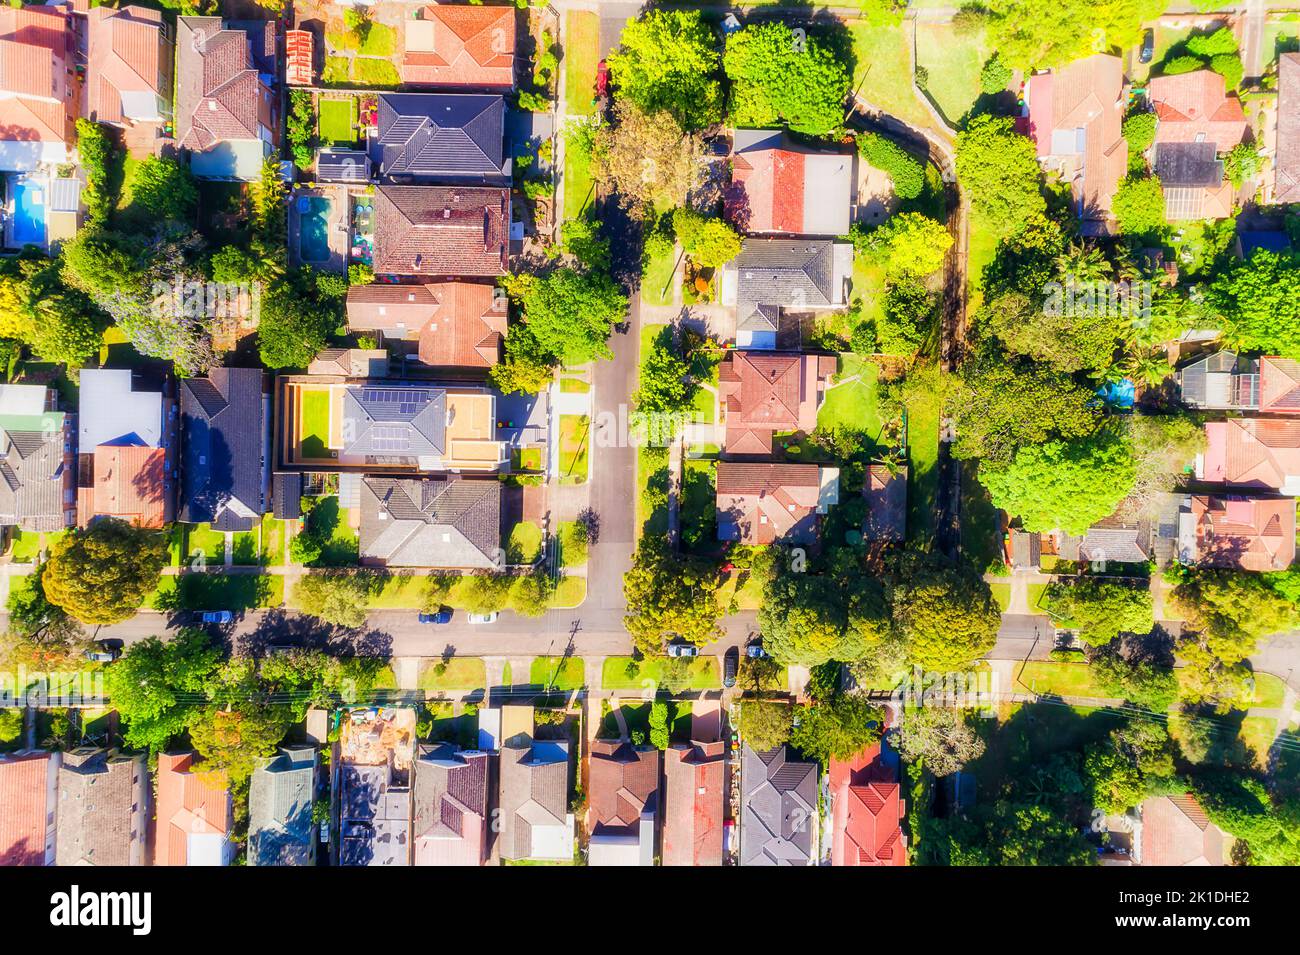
483 617
683 650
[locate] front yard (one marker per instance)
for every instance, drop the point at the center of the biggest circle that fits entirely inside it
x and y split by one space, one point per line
575 435
564 674
626 673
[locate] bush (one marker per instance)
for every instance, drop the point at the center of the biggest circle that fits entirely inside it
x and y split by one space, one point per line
1139 132
1242 163
1230 67
906 172
995 76
1182 64
301 128
1139 206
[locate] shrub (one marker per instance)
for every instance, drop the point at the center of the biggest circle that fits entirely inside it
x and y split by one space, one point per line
1182 64
906 172
995 76
1139 132
1230 67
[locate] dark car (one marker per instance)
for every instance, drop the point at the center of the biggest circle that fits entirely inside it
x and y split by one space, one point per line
1148 46
730 661
441 617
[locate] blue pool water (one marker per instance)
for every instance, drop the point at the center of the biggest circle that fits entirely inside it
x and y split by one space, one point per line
313 228
29 212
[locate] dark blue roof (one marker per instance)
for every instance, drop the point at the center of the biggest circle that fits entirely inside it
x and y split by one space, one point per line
223 426
440 134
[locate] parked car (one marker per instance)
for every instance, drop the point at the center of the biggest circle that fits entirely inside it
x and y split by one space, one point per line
483 617
730 663
218 616
103 652
441 617
755 651
1148 46
683 650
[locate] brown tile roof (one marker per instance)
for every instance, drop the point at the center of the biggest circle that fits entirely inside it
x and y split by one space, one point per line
24 806
458 324
1176 832
534 792
1286 164
219 94
1249 533
126 55
101 808
693 804
460 46
34 48
765 392
624 783
129 483
189 803
451 806
1192 105
769 502
1279 384
886 495
441 230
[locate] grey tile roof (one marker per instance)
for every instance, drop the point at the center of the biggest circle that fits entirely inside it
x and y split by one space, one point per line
31 471
342 165
779 811
791 273
444 135
101 809
286 494
395 420
534 792
223 464
431 523
280 829
1187 165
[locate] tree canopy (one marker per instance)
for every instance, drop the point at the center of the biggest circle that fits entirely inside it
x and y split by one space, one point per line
646 160
709 242
670 597
780 76
569 314
945 612
1259 301
1098 609
667 61
102 574
998 168
1035 34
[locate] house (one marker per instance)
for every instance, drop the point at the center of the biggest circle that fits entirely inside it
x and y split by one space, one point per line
104 808
1262 453
35 461
1026 549
195 814
1075 117
794 274
451 806
624 795
441 230
452 524
129 67
867 810
1224 381
227 108
1196 108
122 444
781 187
779 818
1112 540
281 830
1176 831
457 324
225 427
766 503
432 428
374 755
536 823
441 137
1191 175
694 791
1286 159
460 47
885 491
764 393
1231 530
28 801
350 362
38 96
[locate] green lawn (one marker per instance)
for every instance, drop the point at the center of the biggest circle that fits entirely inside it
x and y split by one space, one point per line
744 587
315 431
273 541
575 436
560 673
698 505
458 673
27 545
1058 679
657 278
572 541
616 674
526 459
652 490
1270 691
923 479
574 385
244 550
200 538
217 591
853 405
1034 596
335 72
953 63
371 72
883 73
636 716
1281 36
581 57
1002 594
704 406
525 543
338 118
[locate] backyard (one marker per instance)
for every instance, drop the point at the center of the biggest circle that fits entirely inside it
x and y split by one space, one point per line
952 63
338 119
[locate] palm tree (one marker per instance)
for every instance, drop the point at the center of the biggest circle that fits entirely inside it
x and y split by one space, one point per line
1148 370
1083 263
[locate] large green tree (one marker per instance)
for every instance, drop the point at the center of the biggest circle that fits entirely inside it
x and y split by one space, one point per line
667 61
945 612
1259 302
1100 610
670 597
940 738
295 322
839 728
158 689
783 77
102 574
998 168
570 314
338 598
1035 34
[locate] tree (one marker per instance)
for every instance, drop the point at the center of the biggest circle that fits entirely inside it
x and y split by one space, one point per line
163 188
1243 163
945 612
906 172
1232 608
764 724
809 619
664 387
1100 610
670 597
911 244
294 323
906 319
33 617
647 160
994 76
527 367
1069 485
1028 34
95 152
486 593
839 728
159 688
779 77
1241 806
1163 445
102 574
709 242
231 739
1259 302
582 239
659 725
570 314
1002 404
338 598
667 61
531 594
938 737
999 169
1139 207
1139 132
1068 338
1145 681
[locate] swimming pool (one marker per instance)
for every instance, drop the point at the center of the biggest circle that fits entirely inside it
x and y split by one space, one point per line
29 211
313 228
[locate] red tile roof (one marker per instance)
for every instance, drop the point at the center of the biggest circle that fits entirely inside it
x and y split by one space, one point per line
1249 533
1279 385
24 804
470 46
624 783
1176 832
298 47
125 56
694 788
769 191
189 803
129 483
441 230
769 502
765 392
1192 105
867 812
1252 452
34 48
